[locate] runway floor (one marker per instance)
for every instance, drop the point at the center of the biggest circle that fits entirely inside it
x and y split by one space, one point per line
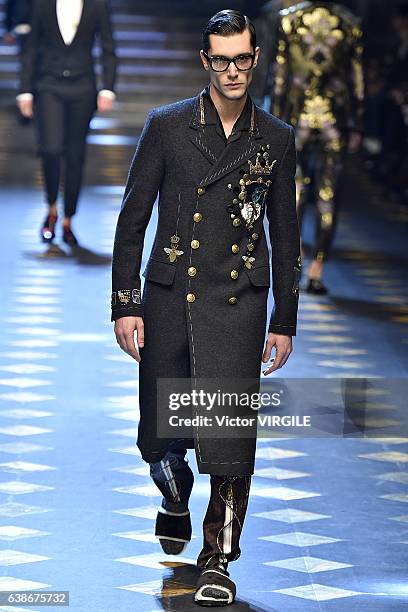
327 521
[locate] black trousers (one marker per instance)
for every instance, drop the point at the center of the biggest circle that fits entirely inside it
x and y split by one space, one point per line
63 111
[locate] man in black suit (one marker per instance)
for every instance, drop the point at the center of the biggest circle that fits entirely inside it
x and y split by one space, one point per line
220 164
58 86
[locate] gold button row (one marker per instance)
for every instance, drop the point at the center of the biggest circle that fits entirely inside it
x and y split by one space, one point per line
195 244
201 191
197 217
235 248
190 297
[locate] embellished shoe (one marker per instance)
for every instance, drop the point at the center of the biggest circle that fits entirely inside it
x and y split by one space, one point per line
316 287
47 231
215 587
173 476
69 237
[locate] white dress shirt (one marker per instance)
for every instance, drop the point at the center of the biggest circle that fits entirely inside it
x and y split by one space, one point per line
69 13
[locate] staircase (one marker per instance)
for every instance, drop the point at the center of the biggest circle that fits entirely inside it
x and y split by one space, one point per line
157 47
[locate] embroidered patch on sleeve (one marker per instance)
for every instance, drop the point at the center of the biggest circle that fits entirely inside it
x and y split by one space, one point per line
136 296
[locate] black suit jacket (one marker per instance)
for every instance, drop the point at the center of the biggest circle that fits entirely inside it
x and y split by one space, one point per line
46 53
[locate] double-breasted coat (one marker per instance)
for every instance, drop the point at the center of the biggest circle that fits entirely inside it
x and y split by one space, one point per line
204 302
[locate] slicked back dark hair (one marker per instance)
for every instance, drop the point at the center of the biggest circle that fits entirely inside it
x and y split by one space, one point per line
227 23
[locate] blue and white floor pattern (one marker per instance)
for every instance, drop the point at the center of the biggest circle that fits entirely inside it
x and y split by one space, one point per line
327 521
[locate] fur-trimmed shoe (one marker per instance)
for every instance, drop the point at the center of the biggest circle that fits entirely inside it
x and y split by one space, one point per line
173 476
215 588
173 530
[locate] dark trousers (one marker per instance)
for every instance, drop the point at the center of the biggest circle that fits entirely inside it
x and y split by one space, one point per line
63 111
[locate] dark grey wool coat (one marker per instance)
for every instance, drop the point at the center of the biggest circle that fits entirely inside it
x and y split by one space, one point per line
207 279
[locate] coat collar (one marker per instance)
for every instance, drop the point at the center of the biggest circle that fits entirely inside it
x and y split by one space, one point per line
241 143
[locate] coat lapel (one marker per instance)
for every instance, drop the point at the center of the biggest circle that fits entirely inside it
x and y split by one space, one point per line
240 148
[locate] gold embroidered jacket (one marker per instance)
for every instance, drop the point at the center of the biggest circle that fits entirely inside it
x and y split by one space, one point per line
318 79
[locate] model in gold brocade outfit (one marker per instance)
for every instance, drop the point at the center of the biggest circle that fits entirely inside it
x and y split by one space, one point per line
318 88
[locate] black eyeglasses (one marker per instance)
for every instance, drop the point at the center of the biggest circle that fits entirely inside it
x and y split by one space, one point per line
219 63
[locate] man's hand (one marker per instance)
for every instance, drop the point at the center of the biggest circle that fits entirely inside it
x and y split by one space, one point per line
125 328
26 107
105 103
283 346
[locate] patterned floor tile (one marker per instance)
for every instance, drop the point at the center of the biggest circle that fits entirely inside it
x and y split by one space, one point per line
291 515
279 473
26 396
128 450
310 565
24 430
300 538
283 493
126 415
130 469
157 560
149 490
398 497
129 432
9 583
401 477
318 592
13 509
18 487
18 448
146 512
13 532
400 519
25 413
17 557
26 368
277 453
392 456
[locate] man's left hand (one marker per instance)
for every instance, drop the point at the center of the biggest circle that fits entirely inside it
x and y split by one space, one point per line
283 345
105 103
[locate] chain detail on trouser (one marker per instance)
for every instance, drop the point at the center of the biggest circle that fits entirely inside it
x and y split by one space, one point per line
174 478
224 519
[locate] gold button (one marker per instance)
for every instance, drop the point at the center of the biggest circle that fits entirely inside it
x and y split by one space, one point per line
235 248
255 236
232 300
236 222
195 244
197 217
191 297
192 271
234 274
201 191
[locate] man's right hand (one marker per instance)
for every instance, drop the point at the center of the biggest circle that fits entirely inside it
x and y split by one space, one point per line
125 328
26 107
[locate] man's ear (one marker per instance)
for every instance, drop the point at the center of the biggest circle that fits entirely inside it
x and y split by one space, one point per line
204 60
257 52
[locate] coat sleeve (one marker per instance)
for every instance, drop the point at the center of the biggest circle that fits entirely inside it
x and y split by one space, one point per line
285 241
109 61
29 55
143 183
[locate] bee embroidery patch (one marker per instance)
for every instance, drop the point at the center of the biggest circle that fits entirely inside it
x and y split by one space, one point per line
173 252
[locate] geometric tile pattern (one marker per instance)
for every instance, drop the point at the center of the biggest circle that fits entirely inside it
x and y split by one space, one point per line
309 565
299 538
318 592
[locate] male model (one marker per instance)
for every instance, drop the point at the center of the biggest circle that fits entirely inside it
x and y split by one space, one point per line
58 87
219 164
318 88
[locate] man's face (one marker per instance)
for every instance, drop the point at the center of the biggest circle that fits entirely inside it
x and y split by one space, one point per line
233 83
